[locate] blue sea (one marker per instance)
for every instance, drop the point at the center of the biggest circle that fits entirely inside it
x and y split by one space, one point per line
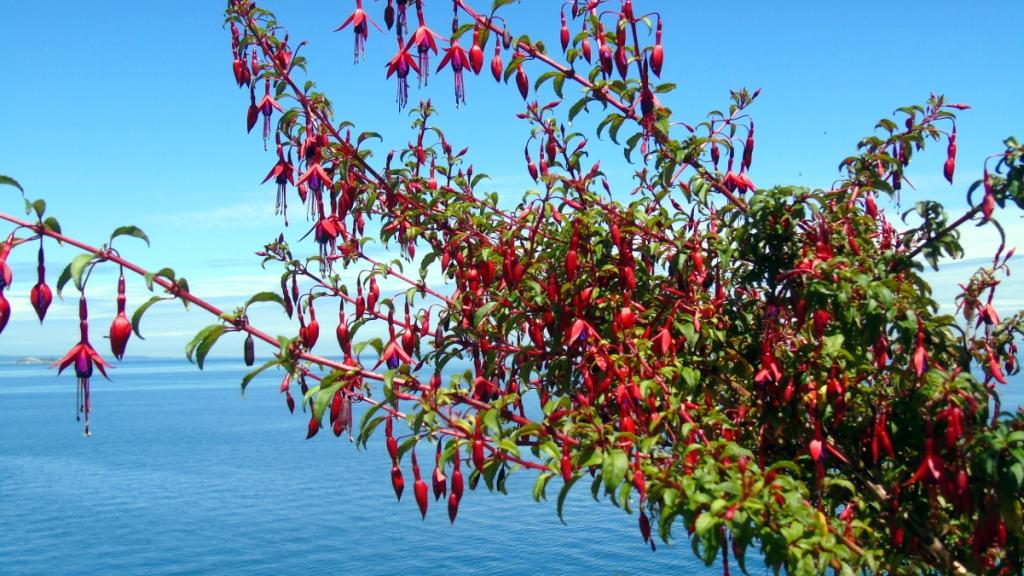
183 475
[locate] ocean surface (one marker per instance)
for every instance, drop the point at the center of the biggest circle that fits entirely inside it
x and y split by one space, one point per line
185 476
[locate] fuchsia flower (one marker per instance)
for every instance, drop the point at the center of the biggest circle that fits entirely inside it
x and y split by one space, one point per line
423 39
84 357
400 65
316 177
358 20
283 174
266 107
458 59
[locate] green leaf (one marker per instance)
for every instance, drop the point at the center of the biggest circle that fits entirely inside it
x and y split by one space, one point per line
200 340
183 288
613 469
39 207
248 377
705 522
137 316
499 3
540 485
73 271
264 297
52 225
133 231
207 344
167 273
8 181
483 311
562 494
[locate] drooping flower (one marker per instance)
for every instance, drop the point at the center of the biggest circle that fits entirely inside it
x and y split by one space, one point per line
458 59
266 107
359 20
423 39
399 65
283 174
84 357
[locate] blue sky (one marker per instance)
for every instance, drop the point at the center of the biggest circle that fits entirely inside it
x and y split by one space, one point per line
126 112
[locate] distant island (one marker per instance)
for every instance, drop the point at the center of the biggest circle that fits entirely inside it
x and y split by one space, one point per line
34 361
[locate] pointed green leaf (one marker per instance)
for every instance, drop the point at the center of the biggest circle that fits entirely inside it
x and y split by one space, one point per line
562 494
207 344
52 225
264 297
133 231
137 316
200 337
74 272
8 181
248 377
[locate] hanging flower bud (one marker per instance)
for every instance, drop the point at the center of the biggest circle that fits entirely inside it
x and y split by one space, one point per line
748 149
389 15
476 54
988 203
249 351
657 53
373 295
564 34
310 332
522 82
530 166
496 64
950 165
121 327
397 482
41 296
419 487
5 311
438 480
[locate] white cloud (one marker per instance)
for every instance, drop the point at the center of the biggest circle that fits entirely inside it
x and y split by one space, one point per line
242 215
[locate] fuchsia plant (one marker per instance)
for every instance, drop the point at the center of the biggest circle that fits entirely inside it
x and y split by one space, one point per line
760 367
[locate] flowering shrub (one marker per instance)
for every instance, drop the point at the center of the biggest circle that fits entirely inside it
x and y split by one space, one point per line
756 366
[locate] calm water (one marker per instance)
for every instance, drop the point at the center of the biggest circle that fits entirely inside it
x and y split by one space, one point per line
183 476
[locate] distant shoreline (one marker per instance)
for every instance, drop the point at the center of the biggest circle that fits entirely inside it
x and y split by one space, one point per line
34 361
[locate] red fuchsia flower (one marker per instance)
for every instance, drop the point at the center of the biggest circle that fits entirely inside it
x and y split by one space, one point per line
400 65
458 59
423 39
84 357
283 174
316 177
394 356
266 107
359 20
